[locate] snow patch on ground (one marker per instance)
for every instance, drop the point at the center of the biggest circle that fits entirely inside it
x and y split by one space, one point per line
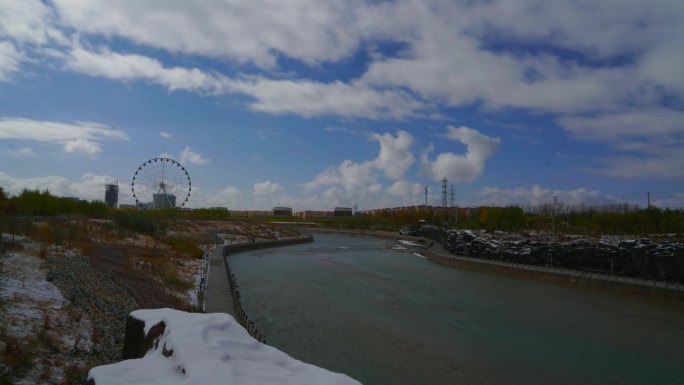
206 349
37 316
409 243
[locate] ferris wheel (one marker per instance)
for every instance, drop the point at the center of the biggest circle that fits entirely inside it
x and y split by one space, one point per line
161 183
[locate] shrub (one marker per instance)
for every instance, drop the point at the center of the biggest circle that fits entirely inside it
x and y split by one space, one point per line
136 221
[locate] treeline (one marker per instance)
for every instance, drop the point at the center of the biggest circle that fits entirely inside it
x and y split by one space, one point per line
592 221
42 203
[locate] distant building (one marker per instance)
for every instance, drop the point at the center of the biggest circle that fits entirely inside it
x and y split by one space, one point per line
342 212
282 211
308 214
112 195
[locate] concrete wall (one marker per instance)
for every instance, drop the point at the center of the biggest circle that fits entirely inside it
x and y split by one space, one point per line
595 281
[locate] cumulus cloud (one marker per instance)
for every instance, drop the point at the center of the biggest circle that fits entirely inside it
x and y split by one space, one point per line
395 155
538 195
404 188
229 197
192 157
90 186
349 174
393 160
79 137
461 167
83 146
267 188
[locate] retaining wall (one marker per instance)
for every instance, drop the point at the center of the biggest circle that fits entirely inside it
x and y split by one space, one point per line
242 317
649 289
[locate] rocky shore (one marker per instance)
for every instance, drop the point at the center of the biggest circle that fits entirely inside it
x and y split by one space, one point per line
643 258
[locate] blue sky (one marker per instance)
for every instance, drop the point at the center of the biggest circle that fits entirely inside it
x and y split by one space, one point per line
315 105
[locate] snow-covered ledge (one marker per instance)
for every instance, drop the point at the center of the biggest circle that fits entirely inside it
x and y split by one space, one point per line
204 349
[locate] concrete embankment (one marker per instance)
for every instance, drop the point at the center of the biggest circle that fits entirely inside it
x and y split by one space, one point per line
247 246
223 294
602 282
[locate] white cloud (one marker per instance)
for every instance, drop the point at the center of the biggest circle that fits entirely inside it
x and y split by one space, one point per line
310 98
28 21
192 157
351 175
229 197
649 143
404 188
267 188
83 137
165 134
118 66
537 195
24 152
84 146
666 164
253 31
394 159
616 126
550 56
90 186
395 155
461 167
10 59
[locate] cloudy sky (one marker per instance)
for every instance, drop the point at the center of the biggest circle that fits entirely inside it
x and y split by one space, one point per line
313 104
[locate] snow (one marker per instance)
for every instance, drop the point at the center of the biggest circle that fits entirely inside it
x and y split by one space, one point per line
210 349
37 313
409 243
419 255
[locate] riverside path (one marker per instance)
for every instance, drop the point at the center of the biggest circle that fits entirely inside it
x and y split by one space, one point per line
218 296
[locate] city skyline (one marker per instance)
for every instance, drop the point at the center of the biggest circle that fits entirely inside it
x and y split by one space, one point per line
312 105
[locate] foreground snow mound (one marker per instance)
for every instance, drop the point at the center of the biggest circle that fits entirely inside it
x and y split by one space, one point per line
208 349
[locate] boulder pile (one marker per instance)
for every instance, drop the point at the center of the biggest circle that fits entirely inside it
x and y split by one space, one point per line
644 258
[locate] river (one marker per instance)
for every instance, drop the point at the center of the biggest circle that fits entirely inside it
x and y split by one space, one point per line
351 304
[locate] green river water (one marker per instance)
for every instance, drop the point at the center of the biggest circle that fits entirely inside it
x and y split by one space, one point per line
352 305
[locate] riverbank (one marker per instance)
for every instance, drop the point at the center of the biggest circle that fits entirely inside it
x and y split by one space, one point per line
372 309
362 232
224 296
564 277
435 252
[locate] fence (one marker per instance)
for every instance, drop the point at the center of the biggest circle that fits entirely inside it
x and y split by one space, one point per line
204 278
242 316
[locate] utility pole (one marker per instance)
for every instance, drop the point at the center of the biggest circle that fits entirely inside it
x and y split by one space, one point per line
553 223
648 199
426 194
452 196
444 192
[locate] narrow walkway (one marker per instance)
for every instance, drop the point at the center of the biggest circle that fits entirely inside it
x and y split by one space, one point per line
218 298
